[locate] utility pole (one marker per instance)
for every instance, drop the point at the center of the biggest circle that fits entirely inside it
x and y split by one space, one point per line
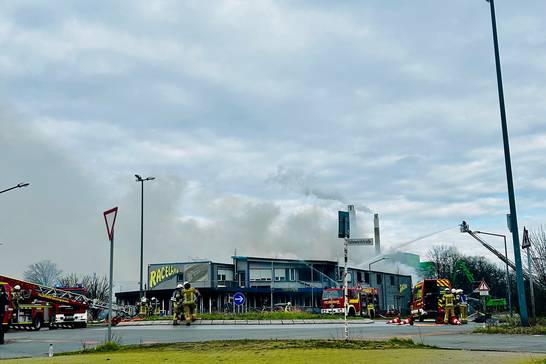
509 180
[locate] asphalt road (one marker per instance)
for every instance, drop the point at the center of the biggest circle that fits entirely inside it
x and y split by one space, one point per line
29 343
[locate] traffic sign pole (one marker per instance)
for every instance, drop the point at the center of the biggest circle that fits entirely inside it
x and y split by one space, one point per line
345 290
110 230
111 288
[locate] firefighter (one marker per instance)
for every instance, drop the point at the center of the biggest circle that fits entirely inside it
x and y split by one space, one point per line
3 306
144 307
463 306
16 296
189 295
177 303
370 307
448 305
154 306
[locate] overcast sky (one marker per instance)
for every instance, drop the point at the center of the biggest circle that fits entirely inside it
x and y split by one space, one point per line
260 120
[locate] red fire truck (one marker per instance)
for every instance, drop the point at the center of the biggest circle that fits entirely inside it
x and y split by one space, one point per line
43 306
427 299
359 298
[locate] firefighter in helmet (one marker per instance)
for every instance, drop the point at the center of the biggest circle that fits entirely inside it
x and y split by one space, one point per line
463 306
189 296
16 296
448 302
177 303
143 307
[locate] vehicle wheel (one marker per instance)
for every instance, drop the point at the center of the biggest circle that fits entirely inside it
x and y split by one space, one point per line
37 323
352 312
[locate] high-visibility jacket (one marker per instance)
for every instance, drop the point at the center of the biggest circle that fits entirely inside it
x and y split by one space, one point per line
449 298
189 295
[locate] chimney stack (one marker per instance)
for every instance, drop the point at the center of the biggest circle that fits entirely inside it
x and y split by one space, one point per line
376 234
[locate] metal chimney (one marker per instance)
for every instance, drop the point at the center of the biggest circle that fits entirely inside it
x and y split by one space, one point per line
376 234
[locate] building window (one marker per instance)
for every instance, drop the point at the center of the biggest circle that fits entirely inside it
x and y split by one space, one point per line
280 274
221 277
392 280
359 276
379 278
292 274
366 277
260 274
180 277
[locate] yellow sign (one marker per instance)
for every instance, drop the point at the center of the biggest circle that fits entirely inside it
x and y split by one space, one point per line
160 274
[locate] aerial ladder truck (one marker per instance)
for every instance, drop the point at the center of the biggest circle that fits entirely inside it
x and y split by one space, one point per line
39 306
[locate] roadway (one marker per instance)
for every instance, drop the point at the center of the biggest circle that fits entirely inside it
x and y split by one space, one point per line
31 343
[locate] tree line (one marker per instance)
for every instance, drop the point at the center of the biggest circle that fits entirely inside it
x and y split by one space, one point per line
465 272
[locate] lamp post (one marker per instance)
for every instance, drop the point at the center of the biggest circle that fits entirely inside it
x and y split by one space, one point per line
376 261
19 185
509 180
142 180
508 288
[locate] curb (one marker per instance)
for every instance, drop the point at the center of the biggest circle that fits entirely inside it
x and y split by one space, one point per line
249 322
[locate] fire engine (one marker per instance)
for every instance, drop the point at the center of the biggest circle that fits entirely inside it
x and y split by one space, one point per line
359 298
427 299
54 307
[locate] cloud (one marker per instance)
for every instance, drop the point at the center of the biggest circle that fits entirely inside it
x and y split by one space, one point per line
260 120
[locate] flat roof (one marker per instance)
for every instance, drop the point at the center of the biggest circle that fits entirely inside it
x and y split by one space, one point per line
304 261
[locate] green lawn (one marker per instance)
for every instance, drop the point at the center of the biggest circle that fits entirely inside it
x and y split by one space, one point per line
291 351
276 315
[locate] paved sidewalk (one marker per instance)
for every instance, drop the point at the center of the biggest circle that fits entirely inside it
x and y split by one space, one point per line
247 322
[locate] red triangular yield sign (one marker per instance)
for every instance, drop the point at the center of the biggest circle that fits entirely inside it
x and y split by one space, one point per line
110 220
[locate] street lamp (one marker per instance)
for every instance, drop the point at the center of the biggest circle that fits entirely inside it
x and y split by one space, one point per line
376 261
22 184
509 290
509 180
142 180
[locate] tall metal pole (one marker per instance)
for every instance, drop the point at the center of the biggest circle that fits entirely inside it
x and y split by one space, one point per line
509 293
272 282
531 289
111 287
345 290
511 197
141 235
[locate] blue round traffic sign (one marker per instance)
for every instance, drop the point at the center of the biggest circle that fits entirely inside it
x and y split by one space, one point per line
239 298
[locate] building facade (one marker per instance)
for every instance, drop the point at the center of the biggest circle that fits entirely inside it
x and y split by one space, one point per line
267 283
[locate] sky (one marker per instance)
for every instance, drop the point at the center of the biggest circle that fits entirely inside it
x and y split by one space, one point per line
260 120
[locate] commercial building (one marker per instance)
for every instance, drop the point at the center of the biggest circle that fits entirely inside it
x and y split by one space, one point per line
267 283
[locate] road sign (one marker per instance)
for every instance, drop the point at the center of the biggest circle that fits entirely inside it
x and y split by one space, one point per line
343 221
368 241
526 242
239 298
110 220
483 289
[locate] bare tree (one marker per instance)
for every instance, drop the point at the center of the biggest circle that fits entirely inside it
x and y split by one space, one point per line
96 286
538 253
443 259
44 272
